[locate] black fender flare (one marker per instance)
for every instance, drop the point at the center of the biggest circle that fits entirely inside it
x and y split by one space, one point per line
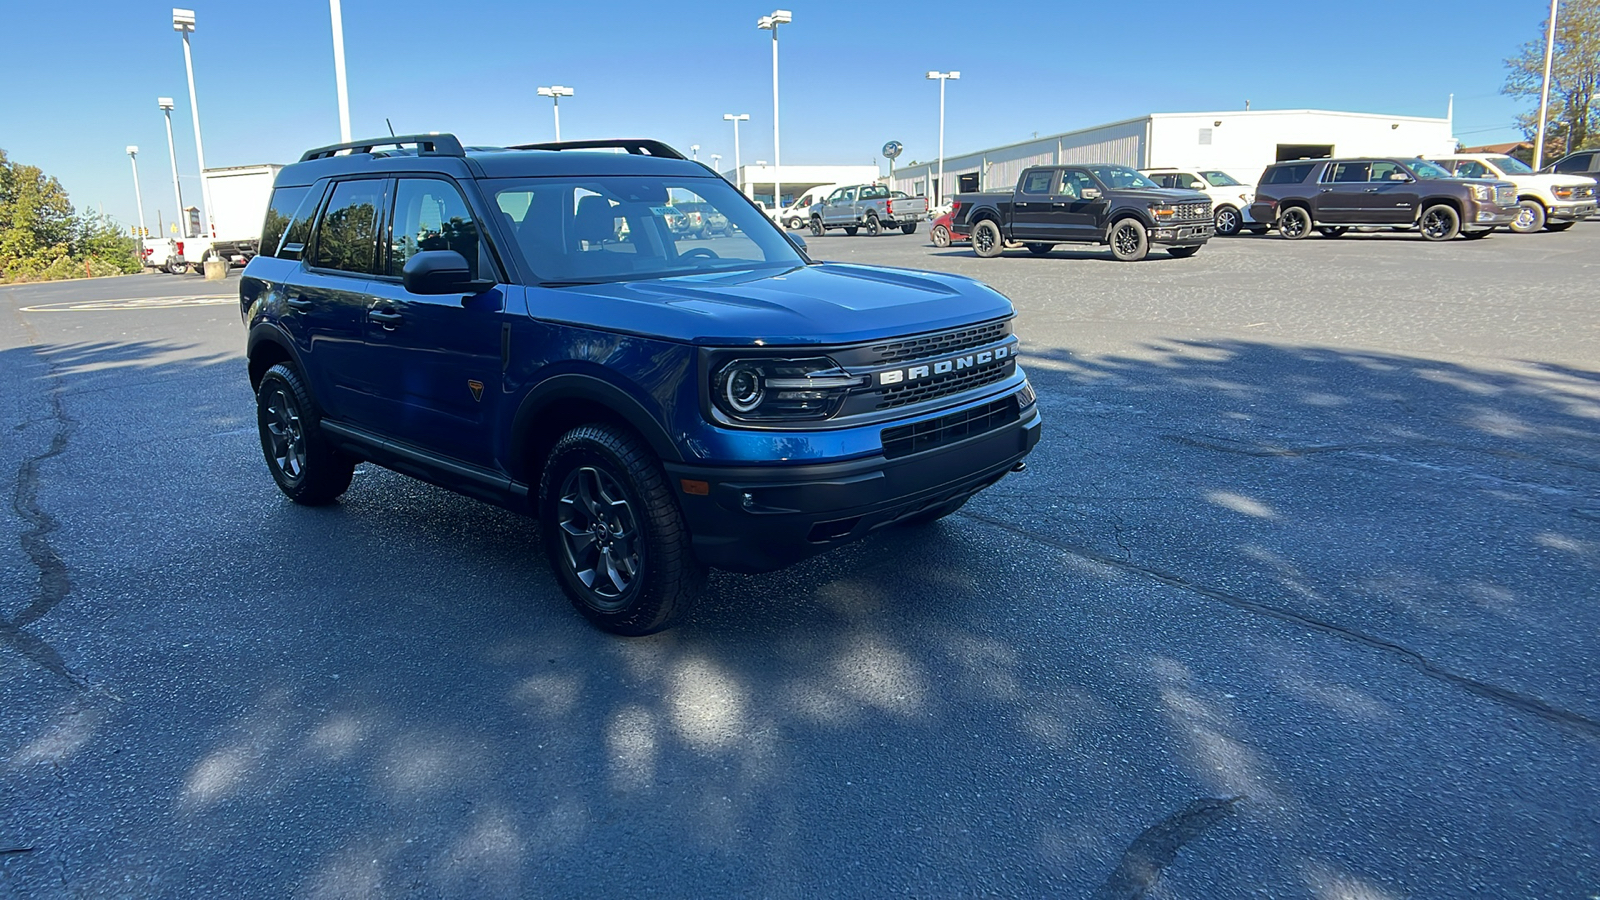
591 388
270 333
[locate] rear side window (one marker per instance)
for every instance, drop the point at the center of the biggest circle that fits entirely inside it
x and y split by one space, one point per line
1037 182
280 212
1290 174
347 235
299 232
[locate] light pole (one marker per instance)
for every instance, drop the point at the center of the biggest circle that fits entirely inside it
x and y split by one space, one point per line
177 193
738 176
183 23
133 157
1544 93
941 77
338 70
716 162
555 93
694 152
771 23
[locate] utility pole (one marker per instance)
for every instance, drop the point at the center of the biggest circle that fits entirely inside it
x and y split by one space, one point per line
166 110
183 22
1544 93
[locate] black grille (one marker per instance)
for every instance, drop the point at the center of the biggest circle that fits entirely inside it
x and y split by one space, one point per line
1185 212
908 439
940 344
1583 193
909 392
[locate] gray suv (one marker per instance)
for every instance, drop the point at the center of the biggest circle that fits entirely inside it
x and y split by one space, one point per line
1332 196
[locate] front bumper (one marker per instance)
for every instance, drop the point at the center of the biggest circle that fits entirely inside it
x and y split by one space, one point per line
1570 210
1183 233
761 518
1481 213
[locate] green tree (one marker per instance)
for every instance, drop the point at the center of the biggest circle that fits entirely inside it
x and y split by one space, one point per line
42 238
1574 79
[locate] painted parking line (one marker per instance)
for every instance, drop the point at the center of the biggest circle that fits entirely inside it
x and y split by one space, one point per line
136 303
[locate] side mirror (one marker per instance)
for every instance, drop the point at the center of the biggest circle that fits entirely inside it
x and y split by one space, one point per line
1399 176
799 242
438 272
1091 193
1197 185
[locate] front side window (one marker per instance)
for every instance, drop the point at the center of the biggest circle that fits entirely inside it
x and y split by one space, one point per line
1387 171
628 228
1074 182
1424 169
430 214
1121 178
1219 179
1510 165
347 235
1574 164
280 212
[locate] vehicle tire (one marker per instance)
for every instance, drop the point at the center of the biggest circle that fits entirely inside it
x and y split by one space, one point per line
986 241
1333 231
1530 217
1476 234
851 230
1183 252
1558 226
1228 221
1294 223
816 226
940 236
929 516
176 268
614 534
874 227
1439 223
308 469
1259 229
1128 239
908 228
1040 249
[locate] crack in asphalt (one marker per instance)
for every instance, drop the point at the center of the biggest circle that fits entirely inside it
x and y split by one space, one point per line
1157 846
1524 703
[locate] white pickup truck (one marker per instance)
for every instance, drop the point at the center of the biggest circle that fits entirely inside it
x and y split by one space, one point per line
1549 202
867 207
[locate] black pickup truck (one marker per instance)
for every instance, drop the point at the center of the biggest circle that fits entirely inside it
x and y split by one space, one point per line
1089 204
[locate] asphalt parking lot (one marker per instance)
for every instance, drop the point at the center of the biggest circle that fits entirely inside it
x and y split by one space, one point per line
1297 598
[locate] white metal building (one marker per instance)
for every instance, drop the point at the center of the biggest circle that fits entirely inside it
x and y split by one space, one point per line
757 180
1239 142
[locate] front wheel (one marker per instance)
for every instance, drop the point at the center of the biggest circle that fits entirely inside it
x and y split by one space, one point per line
308 469
940 236
908 228
1228 221
986 239
851 230
614 534
1183 252
1129 241
1294 223
1530 217
1440 223
1558 226
816 226
1040 249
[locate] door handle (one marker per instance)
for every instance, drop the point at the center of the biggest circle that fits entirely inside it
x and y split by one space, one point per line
1059 205
1022 205
298 303
388 319
1325 191
1370 191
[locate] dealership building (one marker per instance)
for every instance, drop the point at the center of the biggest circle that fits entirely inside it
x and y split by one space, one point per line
1241 143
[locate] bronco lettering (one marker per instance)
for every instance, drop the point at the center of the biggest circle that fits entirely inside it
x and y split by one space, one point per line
945 366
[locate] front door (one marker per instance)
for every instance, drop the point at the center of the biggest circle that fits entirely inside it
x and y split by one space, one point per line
1080 208
1340 197
840 208
1030 210
1391 197
436 359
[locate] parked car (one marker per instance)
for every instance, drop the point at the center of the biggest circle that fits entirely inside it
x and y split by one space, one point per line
798 214
1230 197
943 235
1583 162
1332 196
704 220
869 208
1554 202
163 254
471 318
1095 204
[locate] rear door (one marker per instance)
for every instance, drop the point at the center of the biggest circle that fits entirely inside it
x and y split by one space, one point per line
436 359
1340 195
1031 218
330 298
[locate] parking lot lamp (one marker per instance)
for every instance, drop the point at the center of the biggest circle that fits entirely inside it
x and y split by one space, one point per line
771 23
694 152
183 23
941 77
338 70
133 156
177 193
716 162
555 93
738 176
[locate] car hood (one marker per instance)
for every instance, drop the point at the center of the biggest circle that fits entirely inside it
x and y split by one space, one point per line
1160 195
825 303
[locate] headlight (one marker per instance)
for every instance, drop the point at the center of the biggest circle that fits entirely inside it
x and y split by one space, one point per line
768 389
1482 192
1564 192
1162 210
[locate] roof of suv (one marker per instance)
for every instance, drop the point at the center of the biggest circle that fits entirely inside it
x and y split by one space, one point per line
443 152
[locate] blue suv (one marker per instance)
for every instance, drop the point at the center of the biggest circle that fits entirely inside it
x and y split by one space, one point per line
531 326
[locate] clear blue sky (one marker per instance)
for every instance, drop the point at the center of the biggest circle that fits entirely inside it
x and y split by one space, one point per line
81 78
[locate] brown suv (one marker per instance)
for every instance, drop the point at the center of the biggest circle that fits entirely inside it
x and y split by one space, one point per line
1332 196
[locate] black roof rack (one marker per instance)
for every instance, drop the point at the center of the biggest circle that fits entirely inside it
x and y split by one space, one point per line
427 145
635 146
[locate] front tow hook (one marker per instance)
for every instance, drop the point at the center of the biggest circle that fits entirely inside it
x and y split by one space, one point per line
1021 466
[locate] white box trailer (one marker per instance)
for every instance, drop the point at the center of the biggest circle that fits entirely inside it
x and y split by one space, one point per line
239 198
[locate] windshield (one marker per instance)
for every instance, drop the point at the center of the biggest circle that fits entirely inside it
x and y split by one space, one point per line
627 228
1510 165
1424 169
1219 179
1121 177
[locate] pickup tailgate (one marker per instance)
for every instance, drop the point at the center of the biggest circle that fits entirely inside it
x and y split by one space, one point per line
903 209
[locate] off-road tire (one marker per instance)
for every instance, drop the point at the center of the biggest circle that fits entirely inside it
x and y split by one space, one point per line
1040 249
1128 239
940 236
874 227
986 240
666 578
1294 223
1228 221
1183 252
816 226
908 228
308 469
1530 217
1439 222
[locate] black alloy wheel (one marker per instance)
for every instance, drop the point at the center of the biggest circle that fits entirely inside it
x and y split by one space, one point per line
1228 221
816 226
1440 223
1294 223
986 241
873 227
1129 240
304 465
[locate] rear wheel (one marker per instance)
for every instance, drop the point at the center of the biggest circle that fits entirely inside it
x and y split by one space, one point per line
1440 223
986 239
305 466
1530 217
940 236
614 534
874 228
174 267
1129 240
1294 223
1558 226
1228 221
908 228
1183 252
1040 249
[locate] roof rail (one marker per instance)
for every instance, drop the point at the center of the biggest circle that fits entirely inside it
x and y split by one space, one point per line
635 146
427 145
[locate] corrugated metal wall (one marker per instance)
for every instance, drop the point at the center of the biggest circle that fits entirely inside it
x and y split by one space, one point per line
1123 143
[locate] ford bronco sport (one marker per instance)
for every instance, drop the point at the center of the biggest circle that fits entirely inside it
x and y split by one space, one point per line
524 326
